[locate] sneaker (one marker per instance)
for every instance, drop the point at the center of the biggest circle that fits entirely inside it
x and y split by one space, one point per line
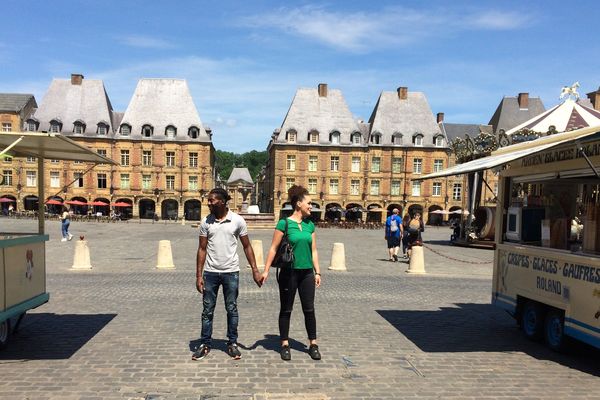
313 351
201 352
233 351
63 239
70 236
285 353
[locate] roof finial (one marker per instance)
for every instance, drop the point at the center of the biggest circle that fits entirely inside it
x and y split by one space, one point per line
568 91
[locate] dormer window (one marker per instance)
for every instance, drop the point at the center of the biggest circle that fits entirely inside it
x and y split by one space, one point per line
147 131
397 138
170 131
355 138
193 132
313 137
125 130
102 128
438 141
78 127
291 136
376 138
32 125
55 126
418 140
335 138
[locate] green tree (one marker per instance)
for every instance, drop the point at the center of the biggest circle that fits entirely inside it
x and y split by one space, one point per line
226 161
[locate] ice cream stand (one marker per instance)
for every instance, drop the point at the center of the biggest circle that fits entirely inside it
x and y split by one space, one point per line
23 255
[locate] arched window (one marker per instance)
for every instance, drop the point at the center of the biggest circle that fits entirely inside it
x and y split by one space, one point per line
291 136
418 140
397 138
313 137
334 138
147 130
355 138
438 141
78 127
170 131
125 129
376 138
55 126
193 132
102 128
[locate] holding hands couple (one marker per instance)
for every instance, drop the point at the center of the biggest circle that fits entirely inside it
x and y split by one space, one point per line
217 264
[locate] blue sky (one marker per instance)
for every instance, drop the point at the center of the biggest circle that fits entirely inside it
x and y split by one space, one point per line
244 60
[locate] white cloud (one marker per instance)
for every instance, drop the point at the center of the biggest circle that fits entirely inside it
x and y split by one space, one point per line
363 31
146 42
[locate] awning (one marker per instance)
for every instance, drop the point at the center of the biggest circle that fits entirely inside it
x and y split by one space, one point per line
508 154
52 146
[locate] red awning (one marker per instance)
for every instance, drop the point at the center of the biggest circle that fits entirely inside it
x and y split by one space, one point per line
121 204
54 202
76 203
98 203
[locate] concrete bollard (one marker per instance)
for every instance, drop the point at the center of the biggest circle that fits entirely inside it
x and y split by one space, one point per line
81 259
165 257
257 248
183 221
416 264
338 258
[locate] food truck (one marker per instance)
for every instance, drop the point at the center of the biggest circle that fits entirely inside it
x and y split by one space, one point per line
547 255
23 255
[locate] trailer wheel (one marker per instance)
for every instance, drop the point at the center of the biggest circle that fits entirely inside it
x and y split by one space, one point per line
532 320
554 328
4 333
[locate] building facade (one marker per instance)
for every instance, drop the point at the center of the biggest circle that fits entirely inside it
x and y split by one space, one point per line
165 155
356 170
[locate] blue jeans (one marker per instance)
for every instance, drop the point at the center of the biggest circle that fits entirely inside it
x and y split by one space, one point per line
230 282
65 228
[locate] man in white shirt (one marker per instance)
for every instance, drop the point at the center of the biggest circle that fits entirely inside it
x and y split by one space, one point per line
217 264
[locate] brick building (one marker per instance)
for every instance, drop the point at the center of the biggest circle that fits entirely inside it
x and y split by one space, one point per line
165 154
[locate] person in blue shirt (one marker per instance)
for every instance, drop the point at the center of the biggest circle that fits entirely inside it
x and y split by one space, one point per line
393 232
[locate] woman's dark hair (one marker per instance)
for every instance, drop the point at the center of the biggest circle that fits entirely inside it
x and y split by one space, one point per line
221 193
295 194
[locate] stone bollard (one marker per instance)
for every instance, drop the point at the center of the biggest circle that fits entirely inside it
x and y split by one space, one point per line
416 264
165 257
257 248
183 221
338 258
81 259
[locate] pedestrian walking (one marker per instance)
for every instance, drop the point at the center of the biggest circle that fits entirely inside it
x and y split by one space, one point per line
405 235
304 276
64 226
415 227
393 233
217 264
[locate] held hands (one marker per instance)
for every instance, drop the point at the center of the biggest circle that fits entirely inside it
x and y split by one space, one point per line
257 276
263 277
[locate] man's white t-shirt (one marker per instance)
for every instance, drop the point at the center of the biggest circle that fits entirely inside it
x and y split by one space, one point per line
221 250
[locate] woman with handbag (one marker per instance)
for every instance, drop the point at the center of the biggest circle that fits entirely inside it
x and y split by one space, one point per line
303 274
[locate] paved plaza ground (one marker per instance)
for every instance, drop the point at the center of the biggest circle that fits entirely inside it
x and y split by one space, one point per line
125 330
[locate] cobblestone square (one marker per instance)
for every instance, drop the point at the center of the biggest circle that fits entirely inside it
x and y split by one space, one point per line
125 330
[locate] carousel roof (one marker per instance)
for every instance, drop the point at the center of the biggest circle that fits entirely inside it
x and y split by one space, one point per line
567 116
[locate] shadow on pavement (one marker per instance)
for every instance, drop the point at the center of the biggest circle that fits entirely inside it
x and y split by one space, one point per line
270 342
48 336
480 328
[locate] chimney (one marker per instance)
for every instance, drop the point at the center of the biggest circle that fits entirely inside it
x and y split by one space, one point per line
76 79
322 90
523 100
403 92
595 99
440 117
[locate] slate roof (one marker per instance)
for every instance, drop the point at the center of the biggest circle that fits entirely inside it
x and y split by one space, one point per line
160 103
453 131
240 174
408 117
509 114
324 114
15 102
87 102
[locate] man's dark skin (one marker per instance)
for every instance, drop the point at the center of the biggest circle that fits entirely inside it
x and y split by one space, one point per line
219 209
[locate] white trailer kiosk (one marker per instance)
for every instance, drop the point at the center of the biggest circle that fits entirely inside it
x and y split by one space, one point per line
547 256
23 255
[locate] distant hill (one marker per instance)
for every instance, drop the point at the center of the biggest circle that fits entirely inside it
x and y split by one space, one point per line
253 160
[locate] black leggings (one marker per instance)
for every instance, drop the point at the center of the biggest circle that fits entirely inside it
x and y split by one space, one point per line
302 280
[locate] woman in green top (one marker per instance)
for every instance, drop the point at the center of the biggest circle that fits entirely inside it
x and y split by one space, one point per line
305 274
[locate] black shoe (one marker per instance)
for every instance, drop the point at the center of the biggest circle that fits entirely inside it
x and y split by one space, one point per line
201 352
395 257
313 350
285 353
233 351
